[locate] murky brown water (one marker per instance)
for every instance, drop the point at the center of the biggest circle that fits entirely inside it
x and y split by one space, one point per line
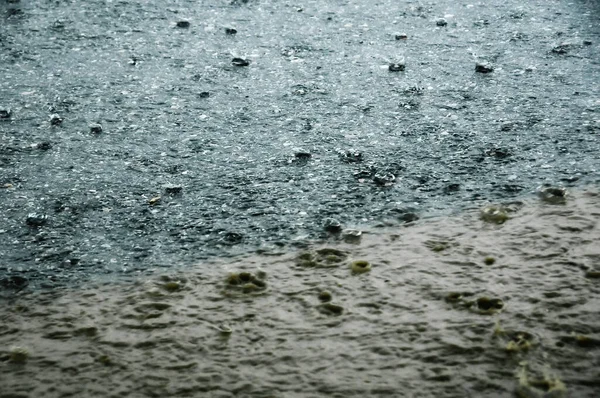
453 307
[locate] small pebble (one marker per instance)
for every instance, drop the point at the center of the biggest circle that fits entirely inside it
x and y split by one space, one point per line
240 62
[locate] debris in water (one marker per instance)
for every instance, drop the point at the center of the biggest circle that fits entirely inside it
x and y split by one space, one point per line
441 22
230 31
153 201
183 24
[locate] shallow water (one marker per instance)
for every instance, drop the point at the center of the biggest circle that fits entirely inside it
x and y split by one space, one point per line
236 140
416 325
128 230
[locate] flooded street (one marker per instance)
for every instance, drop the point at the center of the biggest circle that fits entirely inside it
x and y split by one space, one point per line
260 198
456 307
143 135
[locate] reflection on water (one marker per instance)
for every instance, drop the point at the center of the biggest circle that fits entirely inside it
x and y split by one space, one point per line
454 307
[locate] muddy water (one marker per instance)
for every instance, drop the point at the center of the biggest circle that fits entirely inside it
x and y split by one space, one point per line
455 307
